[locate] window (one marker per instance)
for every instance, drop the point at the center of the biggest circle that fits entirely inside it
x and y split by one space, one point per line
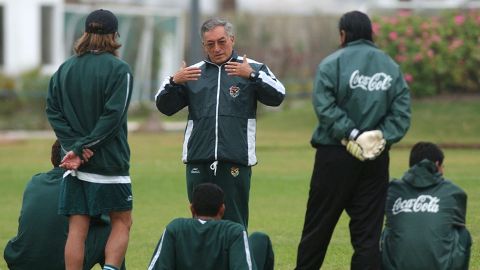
46 32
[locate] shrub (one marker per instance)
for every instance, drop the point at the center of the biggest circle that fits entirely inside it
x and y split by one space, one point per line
437 53
22 101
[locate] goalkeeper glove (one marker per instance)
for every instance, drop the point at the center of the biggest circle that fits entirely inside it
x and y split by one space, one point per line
354 148
372 143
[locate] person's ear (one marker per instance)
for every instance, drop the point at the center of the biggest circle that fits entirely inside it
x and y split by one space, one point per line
221 211
192 210
232 38
343 36
439 167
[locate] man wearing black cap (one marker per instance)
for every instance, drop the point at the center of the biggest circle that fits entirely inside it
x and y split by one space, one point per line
87 106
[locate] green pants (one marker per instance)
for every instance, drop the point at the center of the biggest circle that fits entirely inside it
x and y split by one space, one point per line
232 178
262 250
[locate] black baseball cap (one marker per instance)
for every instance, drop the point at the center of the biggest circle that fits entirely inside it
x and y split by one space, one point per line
101 22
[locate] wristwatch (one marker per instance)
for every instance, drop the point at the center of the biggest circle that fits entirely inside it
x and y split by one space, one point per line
172 82
253 76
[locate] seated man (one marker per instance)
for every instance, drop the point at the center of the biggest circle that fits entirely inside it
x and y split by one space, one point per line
42 233
205 242
425 217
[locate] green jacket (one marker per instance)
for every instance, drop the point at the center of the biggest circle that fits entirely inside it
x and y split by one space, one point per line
425 222
189 243
42 233
360 87
87 104
221 111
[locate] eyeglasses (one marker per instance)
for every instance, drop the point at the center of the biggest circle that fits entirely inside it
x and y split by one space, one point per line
210 45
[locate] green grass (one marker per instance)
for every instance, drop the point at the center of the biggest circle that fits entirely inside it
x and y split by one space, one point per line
279 182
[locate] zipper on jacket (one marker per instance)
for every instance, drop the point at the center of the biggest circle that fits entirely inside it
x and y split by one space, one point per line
216 112
213 166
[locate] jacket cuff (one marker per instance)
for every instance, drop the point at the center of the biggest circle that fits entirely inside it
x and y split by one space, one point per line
353 134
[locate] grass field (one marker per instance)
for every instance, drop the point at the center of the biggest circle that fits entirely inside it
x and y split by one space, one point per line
279 183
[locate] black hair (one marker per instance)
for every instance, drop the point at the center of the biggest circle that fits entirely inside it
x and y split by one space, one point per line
207 199
55 155
356 25
426 150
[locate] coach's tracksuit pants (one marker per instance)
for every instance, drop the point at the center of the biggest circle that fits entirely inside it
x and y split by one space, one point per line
341 182
232 178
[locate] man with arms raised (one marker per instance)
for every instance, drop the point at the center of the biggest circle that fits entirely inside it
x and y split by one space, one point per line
221 93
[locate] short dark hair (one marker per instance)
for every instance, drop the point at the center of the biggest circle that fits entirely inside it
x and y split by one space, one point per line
426 150
356 25
55 156
207 199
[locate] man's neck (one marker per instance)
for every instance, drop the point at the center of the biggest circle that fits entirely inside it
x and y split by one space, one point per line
207 218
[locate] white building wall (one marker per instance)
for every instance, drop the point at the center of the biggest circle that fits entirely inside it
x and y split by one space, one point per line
22 34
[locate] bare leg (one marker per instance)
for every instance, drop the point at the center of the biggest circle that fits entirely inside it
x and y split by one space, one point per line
118 240
75 246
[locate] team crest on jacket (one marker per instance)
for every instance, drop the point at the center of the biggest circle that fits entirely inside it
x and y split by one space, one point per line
234 91
235 171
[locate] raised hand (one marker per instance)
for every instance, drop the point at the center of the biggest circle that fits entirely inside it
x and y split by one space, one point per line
239 69
185 74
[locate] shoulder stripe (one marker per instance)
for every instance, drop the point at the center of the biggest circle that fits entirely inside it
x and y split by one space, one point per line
199 64
272 81
162 86
251 61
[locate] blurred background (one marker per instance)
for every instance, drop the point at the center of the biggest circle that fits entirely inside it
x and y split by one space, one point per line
435 41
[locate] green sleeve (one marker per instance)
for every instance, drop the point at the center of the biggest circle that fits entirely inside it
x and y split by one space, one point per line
270 91
460 208
164 256
113 117
326 108
240 253
55 116
397 122
171 98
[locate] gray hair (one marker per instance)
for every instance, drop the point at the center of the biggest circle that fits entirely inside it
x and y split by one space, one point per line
214 22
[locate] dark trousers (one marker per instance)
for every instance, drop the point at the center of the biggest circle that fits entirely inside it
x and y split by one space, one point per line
341 182
232 178
262 251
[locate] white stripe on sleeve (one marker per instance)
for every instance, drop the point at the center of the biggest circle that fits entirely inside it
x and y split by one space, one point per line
247 250
157 254
272 82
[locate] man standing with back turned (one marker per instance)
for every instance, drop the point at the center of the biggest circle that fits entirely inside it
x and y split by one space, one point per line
221 93
87 106
362 101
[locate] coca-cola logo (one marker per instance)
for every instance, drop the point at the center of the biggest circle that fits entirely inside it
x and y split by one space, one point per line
424 203
379 81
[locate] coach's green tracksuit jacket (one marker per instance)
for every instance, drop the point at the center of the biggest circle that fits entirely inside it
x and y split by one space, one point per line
221 111
189 243
87 103
369 94
425 222
42 233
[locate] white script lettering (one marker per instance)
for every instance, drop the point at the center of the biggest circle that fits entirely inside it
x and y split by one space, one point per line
424 203
379 81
